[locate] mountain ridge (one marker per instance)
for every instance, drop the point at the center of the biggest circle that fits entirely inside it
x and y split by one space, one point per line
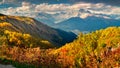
89 24
37 29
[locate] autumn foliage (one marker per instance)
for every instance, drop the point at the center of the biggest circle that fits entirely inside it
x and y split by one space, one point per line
99 49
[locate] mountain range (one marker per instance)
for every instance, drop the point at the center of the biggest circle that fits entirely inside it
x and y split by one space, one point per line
91 23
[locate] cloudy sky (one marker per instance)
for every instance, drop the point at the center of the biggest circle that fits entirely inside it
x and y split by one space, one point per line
59 10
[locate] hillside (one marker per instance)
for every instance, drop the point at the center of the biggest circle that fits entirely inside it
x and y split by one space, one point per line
35 29
95 49
99 49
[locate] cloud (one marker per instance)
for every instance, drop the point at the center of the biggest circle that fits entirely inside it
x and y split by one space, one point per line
51 7
62 12
107 2
83 16
83 10
26 6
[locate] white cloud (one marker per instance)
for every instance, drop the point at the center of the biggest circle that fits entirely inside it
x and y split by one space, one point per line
26 6
85 15
51 8
88 9
62 12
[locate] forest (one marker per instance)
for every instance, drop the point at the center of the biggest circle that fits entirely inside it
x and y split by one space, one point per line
98 49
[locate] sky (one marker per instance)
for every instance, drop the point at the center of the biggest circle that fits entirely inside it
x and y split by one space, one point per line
111 2
60 10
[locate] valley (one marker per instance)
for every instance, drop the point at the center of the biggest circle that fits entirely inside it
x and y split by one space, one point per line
27 43
59 34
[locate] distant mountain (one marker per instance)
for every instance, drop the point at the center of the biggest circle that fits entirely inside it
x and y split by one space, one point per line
37 29
90 23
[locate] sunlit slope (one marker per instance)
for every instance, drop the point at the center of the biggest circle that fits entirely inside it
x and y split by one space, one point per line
95 49
12 38
34 28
